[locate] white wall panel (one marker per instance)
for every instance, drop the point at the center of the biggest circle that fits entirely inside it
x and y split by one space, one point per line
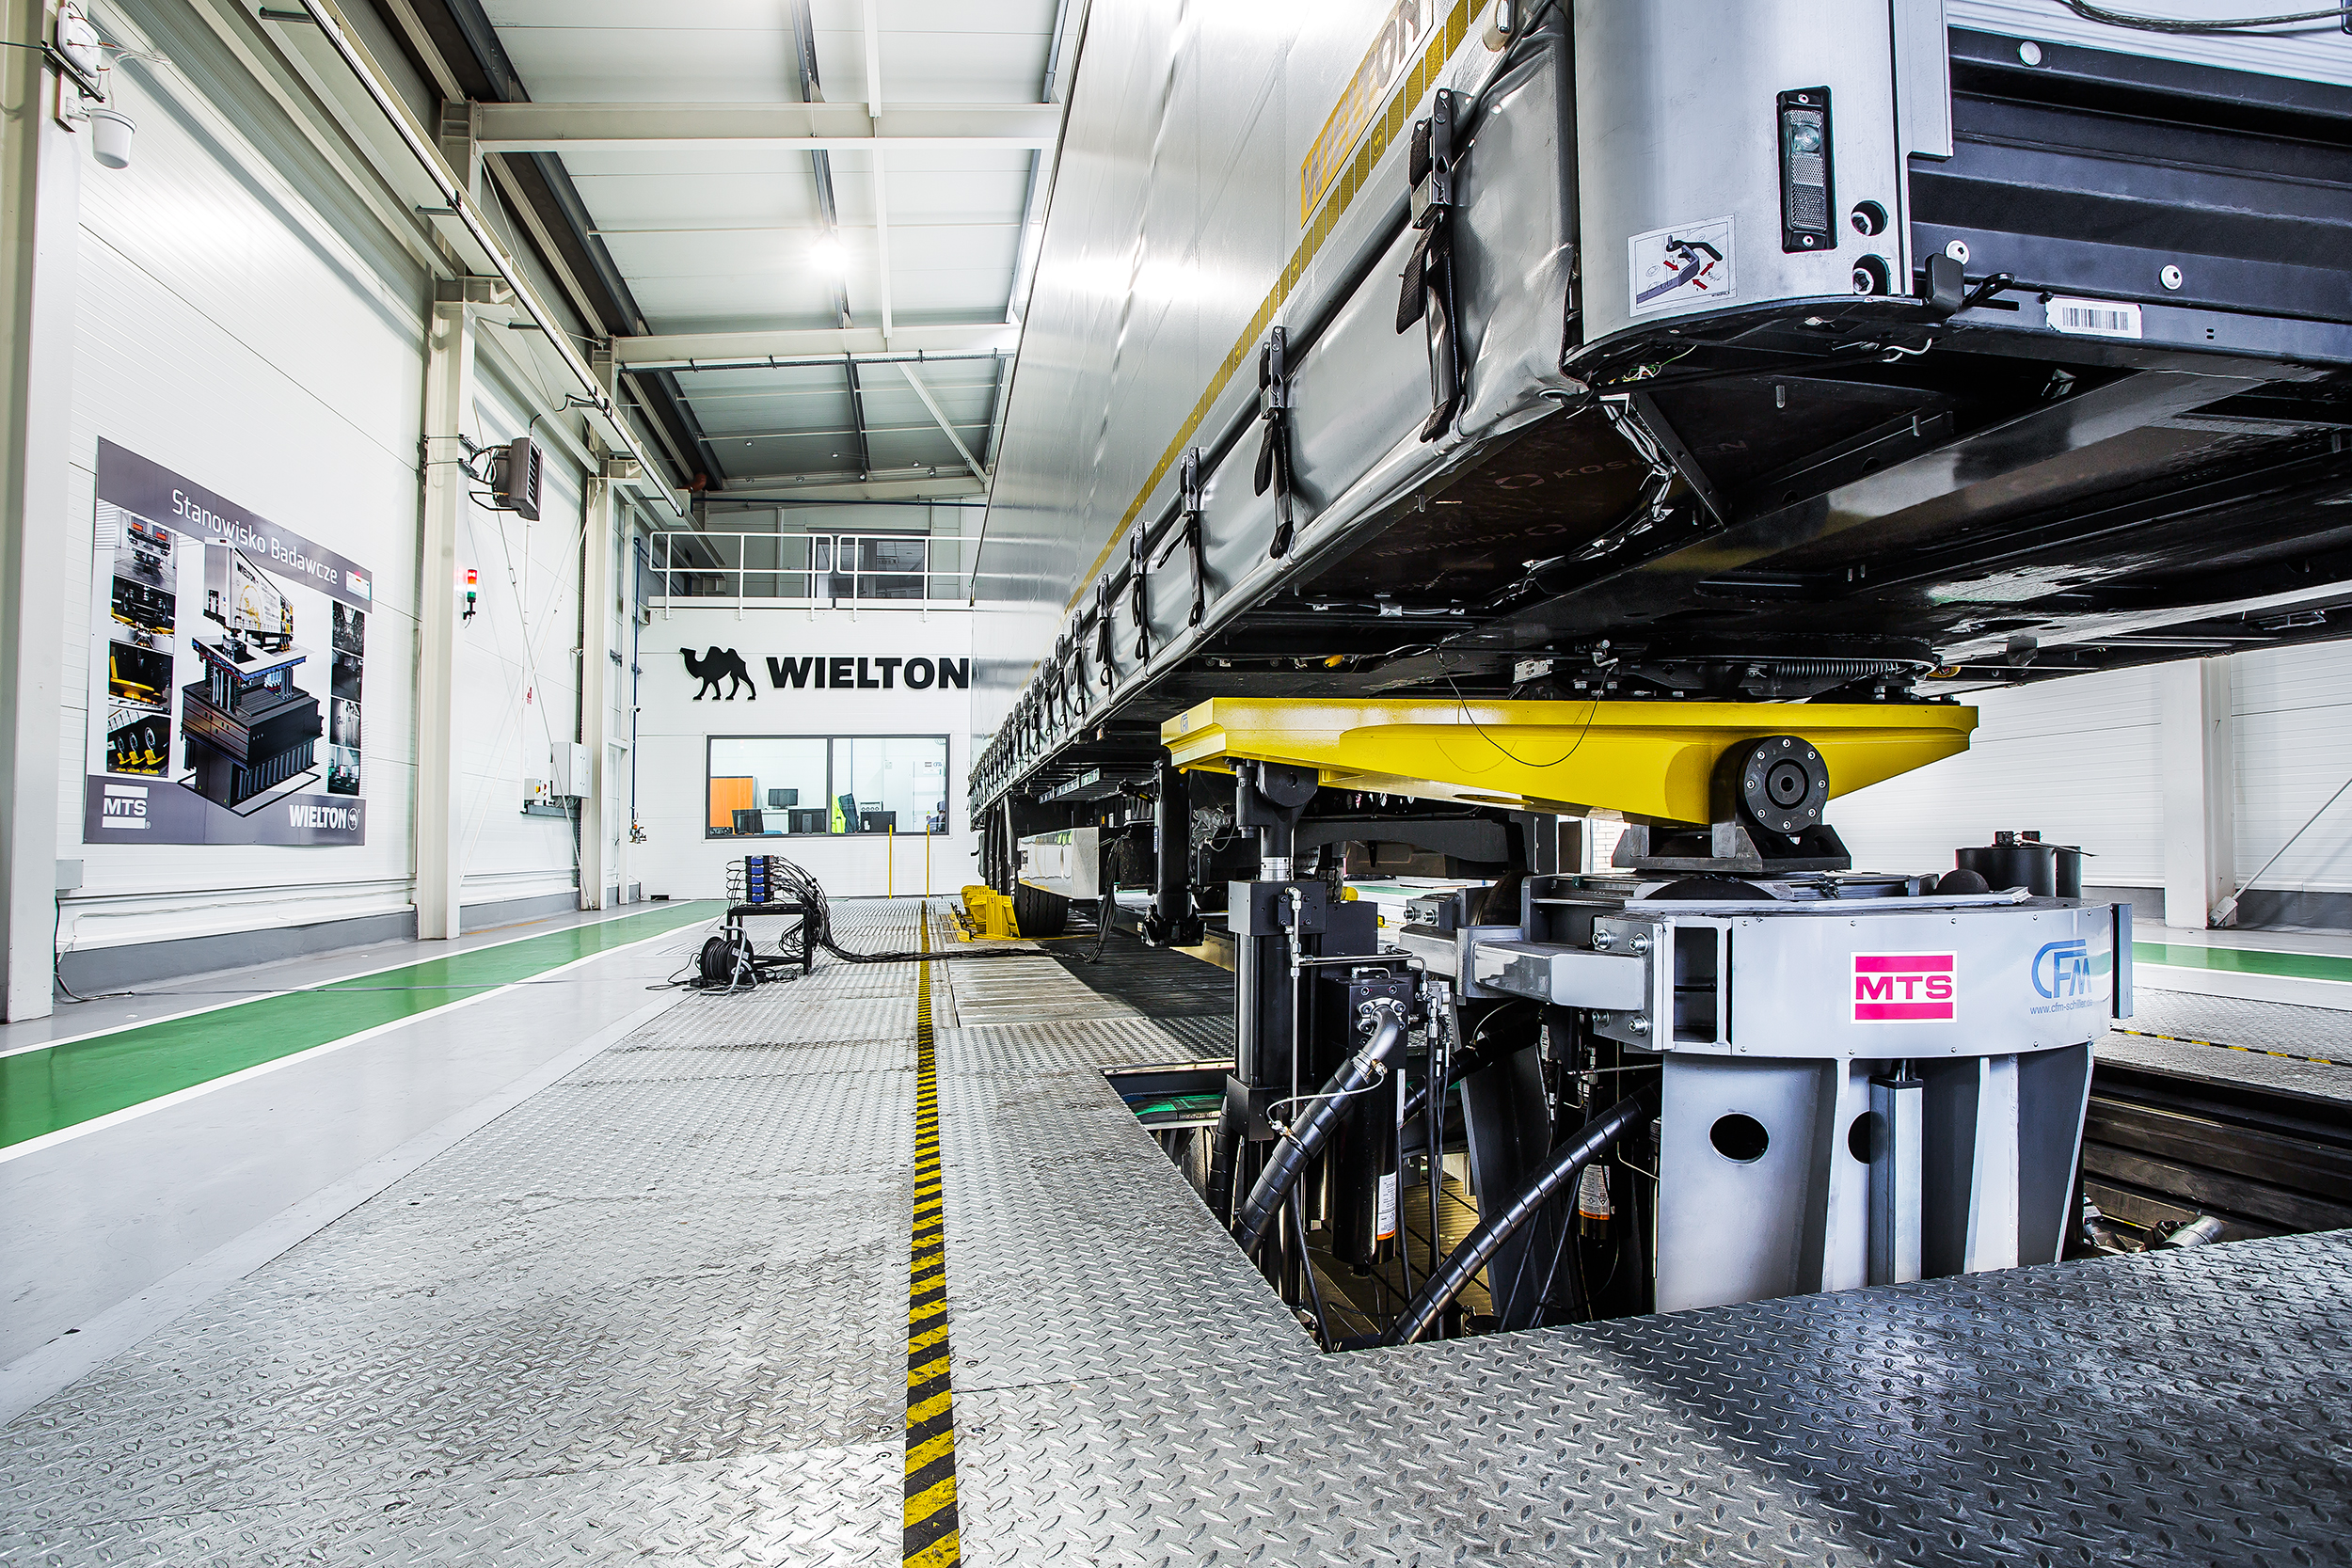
2075 758
231 333
518 682
2293 708
679 859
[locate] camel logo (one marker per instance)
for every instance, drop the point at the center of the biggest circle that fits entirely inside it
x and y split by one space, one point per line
716 665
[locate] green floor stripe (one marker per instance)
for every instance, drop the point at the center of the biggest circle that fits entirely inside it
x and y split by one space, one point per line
61 1085
2244 960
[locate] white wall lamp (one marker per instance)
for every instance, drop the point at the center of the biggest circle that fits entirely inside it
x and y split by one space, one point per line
79 53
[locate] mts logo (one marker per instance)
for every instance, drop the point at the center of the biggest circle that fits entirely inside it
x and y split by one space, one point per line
2062 970
124 806
1918 988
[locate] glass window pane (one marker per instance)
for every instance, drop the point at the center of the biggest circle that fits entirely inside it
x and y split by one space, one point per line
891 568
891 783
762 784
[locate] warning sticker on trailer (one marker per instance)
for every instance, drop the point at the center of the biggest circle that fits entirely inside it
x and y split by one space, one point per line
1914 987
1687 264
2094 318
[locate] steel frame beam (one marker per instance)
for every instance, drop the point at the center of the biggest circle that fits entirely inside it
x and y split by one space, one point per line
945 426
857 420
793 127
790 489
697 350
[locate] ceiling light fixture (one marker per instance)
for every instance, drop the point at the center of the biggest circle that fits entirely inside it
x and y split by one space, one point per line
826 255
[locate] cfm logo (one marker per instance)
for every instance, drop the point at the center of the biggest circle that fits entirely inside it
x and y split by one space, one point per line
1914 987
2063 969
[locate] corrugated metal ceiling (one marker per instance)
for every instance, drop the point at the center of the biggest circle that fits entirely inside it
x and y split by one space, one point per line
728 240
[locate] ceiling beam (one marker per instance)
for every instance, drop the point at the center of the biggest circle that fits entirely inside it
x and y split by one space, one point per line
946 426
882 240
857 416
683 350
819 362
820 161
785 490
871 11
788 127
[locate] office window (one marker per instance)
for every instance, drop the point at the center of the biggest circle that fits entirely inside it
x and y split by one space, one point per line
775 785
899 782
767 785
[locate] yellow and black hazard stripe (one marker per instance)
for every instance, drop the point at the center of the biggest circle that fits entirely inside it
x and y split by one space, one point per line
2225 1045
931 1532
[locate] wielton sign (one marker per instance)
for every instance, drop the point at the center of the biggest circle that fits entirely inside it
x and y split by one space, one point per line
714 666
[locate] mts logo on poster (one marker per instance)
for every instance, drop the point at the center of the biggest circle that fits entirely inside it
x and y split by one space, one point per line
1916 987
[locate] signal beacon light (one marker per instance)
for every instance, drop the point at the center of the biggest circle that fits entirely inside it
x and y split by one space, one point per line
473 581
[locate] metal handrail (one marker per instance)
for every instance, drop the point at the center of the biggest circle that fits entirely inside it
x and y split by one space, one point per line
699 567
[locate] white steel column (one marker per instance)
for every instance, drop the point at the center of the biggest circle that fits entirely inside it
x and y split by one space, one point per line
596 694
39 238
448 410
2197 745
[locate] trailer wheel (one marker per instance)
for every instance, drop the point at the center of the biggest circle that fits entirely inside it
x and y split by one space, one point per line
1038 913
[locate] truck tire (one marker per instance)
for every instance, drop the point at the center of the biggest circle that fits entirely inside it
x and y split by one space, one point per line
1038 913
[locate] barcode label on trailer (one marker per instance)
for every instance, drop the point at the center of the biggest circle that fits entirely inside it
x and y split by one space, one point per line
2094 318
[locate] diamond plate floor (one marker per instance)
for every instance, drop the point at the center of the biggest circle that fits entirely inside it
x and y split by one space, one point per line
2241 1035
657 1314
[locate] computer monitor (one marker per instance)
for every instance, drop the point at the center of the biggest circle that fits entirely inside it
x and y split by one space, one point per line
750 823
779 798
878 821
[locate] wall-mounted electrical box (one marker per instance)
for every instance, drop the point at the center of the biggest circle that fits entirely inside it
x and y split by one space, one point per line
514 477
541 799
574 772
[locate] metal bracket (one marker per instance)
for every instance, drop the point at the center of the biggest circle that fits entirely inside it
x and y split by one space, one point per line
1188 534
1103 630
1638 422
1072 660
1428 285
1432 166
1274 449
471 291
1051 678
1138 606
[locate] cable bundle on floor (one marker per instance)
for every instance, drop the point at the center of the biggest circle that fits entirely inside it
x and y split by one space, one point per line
792 887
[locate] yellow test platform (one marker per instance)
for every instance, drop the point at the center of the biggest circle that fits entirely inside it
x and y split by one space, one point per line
1645 760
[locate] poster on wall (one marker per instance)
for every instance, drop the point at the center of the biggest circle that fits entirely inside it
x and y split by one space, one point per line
226 663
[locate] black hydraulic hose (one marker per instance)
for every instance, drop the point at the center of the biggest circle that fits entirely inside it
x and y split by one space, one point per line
1223 1155
1561 1167
1474 1060
1307 1136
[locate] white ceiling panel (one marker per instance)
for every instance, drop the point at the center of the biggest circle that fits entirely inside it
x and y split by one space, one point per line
733 239
654 65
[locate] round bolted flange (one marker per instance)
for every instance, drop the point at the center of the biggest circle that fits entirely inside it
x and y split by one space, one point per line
1782 784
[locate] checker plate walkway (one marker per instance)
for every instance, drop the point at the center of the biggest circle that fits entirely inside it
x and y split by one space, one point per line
658 1313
